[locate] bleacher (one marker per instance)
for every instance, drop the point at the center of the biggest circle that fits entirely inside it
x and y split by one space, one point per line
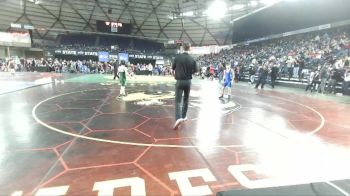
106 41
293 82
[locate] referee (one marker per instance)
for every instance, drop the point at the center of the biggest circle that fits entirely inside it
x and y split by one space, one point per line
184 66
116 66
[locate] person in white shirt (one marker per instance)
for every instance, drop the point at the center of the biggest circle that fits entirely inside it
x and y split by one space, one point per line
346 82
290 64
310 81
339 64
12 67
150 69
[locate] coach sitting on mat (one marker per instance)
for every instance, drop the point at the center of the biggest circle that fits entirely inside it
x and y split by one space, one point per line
184 66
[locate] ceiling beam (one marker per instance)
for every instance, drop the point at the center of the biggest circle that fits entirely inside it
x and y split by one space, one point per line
206 29
103 11
27 18
48 30
133 18
189 37
90 17
77 12
22 15
205 32
227 36
121 14
150 13
56 17
182 29
35 29
162 28
139 5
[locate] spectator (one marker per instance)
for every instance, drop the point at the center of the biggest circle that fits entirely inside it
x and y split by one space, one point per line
263 73
346 83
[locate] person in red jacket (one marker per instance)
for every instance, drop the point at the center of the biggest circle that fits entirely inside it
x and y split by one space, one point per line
212 72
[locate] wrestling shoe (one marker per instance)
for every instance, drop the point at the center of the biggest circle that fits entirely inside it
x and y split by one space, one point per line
177 123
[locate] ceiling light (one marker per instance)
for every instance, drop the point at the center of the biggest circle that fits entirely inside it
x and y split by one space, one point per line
217 9
269 2
14 25
35 1
253 3
237 7
171 17
189 13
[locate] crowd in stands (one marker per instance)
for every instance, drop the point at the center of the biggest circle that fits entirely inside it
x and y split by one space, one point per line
23 65
90 43
319 59
322 60
84 67
106 43
111 49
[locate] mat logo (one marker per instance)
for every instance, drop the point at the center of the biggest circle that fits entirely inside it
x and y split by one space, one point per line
182 178
162 97
149 98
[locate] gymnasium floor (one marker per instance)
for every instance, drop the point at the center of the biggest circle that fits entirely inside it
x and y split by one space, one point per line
75 137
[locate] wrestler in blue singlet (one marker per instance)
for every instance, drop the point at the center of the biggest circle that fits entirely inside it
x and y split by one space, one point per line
228 78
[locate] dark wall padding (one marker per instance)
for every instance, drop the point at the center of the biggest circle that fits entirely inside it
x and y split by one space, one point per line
313 189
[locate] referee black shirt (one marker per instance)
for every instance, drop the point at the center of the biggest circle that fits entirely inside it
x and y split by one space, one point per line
184 66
